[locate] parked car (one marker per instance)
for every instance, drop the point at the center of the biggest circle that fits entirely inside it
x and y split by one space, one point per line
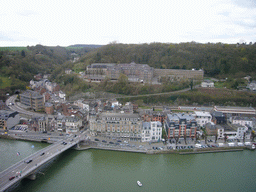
110 142
119 141
96 139
104 141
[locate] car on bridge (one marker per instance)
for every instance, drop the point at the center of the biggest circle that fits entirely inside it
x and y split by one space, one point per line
28 161
42 154
11 178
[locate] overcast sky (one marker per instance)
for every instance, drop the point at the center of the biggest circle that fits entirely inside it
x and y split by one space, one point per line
65 22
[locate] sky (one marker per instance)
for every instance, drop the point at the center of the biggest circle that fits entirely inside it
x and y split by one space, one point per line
65 22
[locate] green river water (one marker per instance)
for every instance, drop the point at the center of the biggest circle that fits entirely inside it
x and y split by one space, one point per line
110 171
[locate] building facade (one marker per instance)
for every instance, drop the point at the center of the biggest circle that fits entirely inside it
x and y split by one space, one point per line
8 119
179 74
207 84
32 99
139 72
151 131
119 125
72 124
244 121
202 117
180 125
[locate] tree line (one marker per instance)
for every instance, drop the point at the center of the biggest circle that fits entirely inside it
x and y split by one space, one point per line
217 60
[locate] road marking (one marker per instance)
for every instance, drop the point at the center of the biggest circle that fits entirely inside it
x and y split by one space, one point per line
24 168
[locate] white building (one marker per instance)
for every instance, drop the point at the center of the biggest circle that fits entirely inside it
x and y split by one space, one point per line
151 131
73 124
240 132
207 83
252 86
82 104
62 95
244 121
202 117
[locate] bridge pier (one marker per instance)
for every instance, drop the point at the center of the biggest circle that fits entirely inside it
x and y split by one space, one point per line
32 177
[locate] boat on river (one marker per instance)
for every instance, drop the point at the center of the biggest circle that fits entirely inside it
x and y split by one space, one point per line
139 183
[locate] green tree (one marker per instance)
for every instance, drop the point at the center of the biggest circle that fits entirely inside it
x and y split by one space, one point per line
23 54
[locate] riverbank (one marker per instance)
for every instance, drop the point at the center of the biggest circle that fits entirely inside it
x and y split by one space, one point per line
152 152
94 145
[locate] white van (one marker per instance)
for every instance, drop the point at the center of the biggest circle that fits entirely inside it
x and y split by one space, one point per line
240 144
231 144
247 143
221 144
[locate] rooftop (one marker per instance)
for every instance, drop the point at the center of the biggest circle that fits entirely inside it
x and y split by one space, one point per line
202 113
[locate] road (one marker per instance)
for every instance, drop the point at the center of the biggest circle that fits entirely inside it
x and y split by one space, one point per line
155 94
15 107
23 169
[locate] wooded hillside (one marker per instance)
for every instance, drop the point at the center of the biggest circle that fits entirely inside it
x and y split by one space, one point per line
219 59
18 65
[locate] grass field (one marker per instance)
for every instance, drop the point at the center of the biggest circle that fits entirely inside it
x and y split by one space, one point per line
4 82
13 48
71 48
219 84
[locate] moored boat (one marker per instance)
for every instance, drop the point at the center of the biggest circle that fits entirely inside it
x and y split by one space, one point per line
139 183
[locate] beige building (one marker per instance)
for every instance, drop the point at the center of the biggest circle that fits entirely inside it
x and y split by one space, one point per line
179 74
139 72
117 125
32 99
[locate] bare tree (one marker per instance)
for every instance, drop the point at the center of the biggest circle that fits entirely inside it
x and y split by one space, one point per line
253 135
176 139
185 137
225 137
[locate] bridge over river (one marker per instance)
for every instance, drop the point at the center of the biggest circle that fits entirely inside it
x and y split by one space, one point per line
28 167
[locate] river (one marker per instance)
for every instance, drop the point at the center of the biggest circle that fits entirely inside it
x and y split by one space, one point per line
110 171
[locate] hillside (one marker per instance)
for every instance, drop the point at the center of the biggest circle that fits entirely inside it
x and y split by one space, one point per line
217 60
18 65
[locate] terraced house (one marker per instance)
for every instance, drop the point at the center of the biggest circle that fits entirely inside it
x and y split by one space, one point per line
151 131
117 125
